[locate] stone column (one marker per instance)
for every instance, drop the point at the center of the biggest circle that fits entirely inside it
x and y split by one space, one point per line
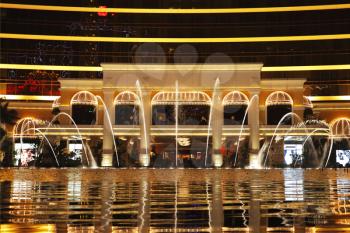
216 125
253 122
108 145
145 124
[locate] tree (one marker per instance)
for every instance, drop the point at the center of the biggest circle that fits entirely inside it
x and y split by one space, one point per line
7 117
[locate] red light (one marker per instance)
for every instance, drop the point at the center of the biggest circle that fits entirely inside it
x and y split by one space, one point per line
102 13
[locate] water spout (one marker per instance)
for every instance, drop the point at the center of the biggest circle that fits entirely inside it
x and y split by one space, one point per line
110 126
306 139
142 108
274 133
216 85
240 132
42 134
176 120
76 127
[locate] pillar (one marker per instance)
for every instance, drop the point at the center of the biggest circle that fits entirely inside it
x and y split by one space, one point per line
253 122
216 126
108 145
145 123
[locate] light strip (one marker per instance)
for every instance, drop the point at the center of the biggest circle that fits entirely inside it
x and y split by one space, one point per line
99 69
29 97
176 11
50 67
305 68
174 40
330 98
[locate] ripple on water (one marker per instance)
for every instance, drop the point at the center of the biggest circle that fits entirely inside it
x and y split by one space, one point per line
169 200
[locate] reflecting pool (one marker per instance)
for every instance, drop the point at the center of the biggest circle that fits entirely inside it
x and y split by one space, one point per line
174 200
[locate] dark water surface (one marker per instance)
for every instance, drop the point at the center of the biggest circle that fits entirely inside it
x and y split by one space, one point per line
174 200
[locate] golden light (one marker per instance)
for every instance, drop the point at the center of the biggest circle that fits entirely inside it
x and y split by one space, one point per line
173 40
305 68
99 69
176 11
50 67
30 97
329 98
279 98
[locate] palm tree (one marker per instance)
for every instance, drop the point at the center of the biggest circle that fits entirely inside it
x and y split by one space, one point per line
7 117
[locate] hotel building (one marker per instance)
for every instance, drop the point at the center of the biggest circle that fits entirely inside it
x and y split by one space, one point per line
177 94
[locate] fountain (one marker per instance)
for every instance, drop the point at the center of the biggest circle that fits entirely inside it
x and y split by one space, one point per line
311 134
242 125
274 133
110 126
176 121
216 85
93 162
47 140
142 108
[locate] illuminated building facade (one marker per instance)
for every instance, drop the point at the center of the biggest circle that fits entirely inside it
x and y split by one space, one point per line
173 88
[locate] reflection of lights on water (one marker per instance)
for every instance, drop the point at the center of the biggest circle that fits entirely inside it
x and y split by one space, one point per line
209 206
21 190
21 200
293 185
74 189
47 228
343 203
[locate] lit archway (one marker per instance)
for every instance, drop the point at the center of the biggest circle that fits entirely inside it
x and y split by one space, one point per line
193 108
278 104
127 108
26 127
84 108
341 127
26 138
235 105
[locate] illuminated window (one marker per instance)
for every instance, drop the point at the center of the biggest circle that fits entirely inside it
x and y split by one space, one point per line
278 104
341 128
127 108
193 108
235 105
26 127
83 108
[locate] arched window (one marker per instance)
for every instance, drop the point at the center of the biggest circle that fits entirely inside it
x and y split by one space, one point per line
84 107
26 127
193 108
308 108
278 104
126 108
341 128
235 105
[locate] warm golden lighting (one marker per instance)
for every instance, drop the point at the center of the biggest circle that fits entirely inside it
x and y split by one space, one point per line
176 11
305 68
173 40
40 228
29 97
99 69
329 98
50 67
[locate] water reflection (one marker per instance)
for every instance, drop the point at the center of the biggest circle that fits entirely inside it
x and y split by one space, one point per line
142 200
